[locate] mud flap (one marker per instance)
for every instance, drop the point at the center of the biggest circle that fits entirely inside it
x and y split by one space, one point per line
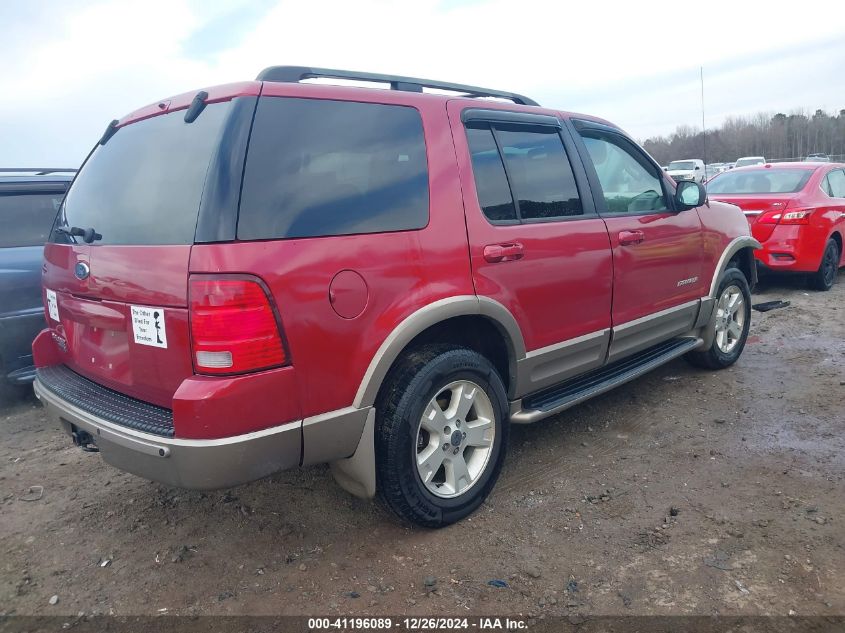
357 474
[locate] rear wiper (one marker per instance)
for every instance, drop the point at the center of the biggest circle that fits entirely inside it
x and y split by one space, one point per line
88 235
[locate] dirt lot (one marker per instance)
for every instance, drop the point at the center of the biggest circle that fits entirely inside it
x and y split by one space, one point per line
684 492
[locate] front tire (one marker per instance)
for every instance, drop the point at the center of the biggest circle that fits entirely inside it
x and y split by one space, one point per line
731 323
824 278
441 435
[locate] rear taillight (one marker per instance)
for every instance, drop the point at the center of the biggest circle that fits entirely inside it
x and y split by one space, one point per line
799 216
233 327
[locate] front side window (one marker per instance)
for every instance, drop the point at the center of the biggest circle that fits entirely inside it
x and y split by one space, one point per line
533 182
318 167
629 182
27 218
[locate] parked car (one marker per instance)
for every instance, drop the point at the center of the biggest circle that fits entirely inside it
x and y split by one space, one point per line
29 200
692 169
385 281
748 161
712 169
797 212
817 158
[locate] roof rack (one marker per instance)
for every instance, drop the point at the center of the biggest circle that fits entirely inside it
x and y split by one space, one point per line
38 171
295 74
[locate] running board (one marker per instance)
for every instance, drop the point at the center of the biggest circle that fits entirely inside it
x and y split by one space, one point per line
569 393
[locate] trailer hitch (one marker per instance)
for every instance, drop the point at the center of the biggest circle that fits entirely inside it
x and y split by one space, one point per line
83 440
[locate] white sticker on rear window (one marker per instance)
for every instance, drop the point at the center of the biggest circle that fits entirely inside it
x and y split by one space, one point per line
52 304
148 326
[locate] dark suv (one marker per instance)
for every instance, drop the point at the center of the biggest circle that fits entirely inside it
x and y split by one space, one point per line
274 273
29 201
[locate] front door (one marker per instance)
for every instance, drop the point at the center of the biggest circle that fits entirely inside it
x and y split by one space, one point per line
536 244
657 251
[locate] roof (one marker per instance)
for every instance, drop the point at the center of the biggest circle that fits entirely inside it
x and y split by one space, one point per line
36 178
27 181
36 174
795 165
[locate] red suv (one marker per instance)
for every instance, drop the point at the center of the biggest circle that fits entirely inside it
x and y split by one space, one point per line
274 274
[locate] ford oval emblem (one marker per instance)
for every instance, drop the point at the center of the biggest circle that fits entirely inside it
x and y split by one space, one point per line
81 271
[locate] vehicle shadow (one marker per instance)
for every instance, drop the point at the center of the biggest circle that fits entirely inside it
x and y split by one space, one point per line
15 397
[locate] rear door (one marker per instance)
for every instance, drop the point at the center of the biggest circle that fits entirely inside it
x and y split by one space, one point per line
657 252
121 298
536 243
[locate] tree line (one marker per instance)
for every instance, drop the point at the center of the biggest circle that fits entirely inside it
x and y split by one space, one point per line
780 136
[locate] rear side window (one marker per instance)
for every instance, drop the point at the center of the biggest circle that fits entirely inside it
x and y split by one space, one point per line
540 174
536 173
26 218
494 195
145 184
836 183
321 167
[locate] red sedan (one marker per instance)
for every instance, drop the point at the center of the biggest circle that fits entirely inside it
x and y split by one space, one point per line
796 211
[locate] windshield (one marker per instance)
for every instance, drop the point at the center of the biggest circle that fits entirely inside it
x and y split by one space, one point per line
144 185
760 181
745 162
682 165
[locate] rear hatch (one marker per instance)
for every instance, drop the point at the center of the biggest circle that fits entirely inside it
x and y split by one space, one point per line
117 298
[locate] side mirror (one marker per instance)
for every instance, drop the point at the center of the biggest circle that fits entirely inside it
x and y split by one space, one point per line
697 168
689 195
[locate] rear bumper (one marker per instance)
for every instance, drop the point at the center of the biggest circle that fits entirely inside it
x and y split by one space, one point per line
194 464
795 248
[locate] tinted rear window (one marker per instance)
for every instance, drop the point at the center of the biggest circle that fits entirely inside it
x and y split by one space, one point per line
541 175
26 218
494 194
145 184
760 181
321 167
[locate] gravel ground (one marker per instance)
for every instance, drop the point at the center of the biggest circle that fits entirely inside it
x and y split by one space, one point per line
684 492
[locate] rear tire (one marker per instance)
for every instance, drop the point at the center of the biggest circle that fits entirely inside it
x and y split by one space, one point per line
824 278
731 324
441 435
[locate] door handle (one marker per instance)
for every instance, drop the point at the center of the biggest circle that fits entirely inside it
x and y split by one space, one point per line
627 238
506 252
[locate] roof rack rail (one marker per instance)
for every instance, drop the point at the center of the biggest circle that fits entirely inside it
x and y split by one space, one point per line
38 171
295 74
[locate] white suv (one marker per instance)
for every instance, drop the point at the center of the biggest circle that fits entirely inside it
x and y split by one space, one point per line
690 169
747 161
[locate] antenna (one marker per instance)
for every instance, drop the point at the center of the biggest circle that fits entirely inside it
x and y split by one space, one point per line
703 129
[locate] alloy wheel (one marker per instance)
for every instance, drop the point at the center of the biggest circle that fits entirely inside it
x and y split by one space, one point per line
455 439
730 319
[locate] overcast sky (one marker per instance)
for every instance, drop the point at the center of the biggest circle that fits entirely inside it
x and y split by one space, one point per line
70 66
